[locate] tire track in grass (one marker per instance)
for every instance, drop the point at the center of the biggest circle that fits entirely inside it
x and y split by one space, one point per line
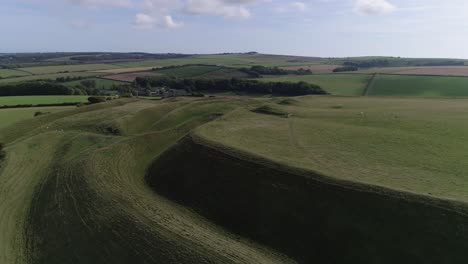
370 84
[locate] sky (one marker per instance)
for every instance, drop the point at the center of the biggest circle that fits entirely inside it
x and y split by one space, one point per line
325 28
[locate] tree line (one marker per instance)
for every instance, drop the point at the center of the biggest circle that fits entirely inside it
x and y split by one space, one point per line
233 84
45 88
258 71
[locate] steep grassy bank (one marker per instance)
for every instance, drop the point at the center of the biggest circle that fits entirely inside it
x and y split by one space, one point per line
312 219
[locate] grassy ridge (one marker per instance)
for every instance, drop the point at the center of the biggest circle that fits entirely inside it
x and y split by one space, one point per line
92 207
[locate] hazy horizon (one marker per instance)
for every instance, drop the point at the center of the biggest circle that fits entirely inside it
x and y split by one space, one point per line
321 28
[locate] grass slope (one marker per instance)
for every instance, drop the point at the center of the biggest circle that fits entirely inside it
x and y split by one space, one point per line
335 84
378 180
82 189
35 100
424 86
14 115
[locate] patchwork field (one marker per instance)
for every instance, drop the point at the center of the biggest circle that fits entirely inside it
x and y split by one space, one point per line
423 86
232 60
67 68
35 100
129 77
48 77
188 71
427 70
335 84
9 73
126 70
320 68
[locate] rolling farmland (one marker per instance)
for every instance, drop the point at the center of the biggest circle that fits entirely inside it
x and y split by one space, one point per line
336 84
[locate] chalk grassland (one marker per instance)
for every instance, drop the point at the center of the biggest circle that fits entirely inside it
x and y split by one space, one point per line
9 73
423 86
335 84
48 77
100 83
67 68
129 77
403 144
82 162
14 115
35 100
321 68
374 172
427 70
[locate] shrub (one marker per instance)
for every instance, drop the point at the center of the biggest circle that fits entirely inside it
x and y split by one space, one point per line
39 113
346 69
96 99
2 152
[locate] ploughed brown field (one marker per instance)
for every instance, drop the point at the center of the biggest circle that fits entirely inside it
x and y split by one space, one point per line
321 68
127 70
426 70
129 77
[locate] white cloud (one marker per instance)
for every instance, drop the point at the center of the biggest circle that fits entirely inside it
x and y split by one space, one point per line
143 21
169 22
225 8
299 6
373 7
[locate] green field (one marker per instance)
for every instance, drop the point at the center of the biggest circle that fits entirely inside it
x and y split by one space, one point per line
49 77
208 180
14 115
335 84
423 86
8 73
46 99
68 68
188 71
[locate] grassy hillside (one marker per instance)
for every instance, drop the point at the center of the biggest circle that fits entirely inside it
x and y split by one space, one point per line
14 115
211 180
89 164
35 100
335 84
423 86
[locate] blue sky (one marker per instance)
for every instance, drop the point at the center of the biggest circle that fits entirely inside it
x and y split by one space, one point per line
328 28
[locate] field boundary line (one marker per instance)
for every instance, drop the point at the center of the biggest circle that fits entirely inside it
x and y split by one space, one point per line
369 85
